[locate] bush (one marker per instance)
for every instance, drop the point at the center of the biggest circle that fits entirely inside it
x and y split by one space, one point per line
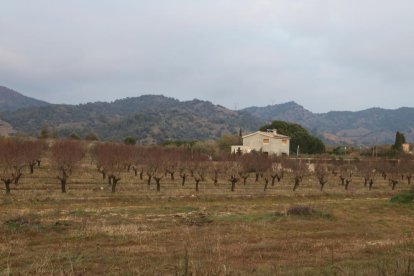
74 136
90 136
130 141
300 211
306 211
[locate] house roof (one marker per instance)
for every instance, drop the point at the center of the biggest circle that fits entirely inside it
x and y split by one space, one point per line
267 134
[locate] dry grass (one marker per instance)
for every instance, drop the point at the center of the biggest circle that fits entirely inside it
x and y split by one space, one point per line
138 231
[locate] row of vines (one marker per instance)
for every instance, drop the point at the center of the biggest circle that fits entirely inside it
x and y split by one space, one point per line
155 165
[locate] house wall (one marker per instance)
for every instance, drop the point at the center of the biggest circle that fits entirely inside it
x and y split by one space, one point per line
275 145
242 149
406 147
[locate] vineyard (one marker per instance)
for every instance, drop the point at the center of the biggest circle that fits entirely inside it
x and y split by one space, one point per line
72 207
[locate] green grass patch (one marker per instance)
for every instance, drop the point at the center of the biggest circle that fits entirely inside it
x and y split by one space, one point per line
404 197
21 222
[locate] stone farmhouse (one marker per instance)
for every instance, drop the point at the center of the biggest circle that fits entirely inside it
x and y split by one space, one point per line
269 142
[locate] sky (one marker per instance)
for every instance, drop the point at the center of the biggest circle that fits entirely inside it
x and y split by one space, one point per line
323 54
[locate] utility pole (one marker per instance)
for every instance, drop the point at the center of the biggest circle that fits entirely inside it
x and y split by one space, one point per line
297 151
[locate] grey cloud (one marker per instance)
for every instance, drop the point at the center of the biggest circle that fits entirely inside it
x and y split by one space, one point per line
323 54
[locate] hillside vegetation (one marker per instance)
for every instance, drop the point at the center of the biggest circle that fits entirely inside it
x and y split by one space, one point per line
371 126
149 118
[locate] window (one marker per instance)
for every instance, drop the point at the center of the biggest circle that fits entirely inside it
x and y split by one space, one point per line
284 141
266 141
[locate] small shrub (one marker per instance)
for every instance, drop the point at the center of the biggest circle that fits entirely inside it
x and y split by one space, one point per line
74 136
306 211
300 211
130 141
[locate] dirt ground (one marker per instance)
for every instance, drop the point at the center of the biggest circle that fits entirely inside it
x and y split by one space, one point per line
138 231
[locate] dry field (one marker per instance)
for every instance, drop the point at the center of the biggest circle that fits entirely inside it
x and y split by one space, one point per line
138 231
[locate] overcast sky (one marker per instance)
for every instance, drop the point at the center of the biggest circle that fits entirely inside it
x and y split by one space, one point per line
325 55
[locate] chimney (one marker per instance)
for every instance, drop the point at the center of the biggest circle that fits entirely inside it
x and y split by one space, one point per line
273 131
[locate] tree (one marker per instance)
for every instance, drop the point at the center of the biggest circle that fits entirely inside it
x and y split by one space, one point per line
33 152
407 168
368 172
226 141
66 154
299 169
91 136
256 162
197 167
111 160
12 160
267 170
394 173
399 141
130 141
155 164
299 137
346 171
233 171
209 148
321 172
172 157
215 170
74 136
183 167
45 132
278 169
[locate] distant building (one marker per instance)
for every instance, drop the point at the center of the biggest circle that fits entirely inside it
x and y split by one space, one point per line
269 142
406 148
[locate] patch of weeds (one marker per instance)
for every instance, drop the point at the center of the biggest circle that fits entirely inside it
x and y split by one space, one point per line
94 237
408 232
401 266
307 212
80 213
300 211
6 201
61 224
197 219
22 222
183 209
323 215
403 197
157 211
251 217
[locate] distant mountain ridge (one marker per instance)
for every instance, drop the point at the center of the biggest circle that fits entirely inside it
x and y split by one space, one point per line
155 118
11 100
150 118
366 127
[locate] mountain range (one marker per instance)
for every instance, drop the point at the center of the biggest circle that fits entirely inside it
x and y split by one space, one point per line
155 118
149 118
366 127
11 100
